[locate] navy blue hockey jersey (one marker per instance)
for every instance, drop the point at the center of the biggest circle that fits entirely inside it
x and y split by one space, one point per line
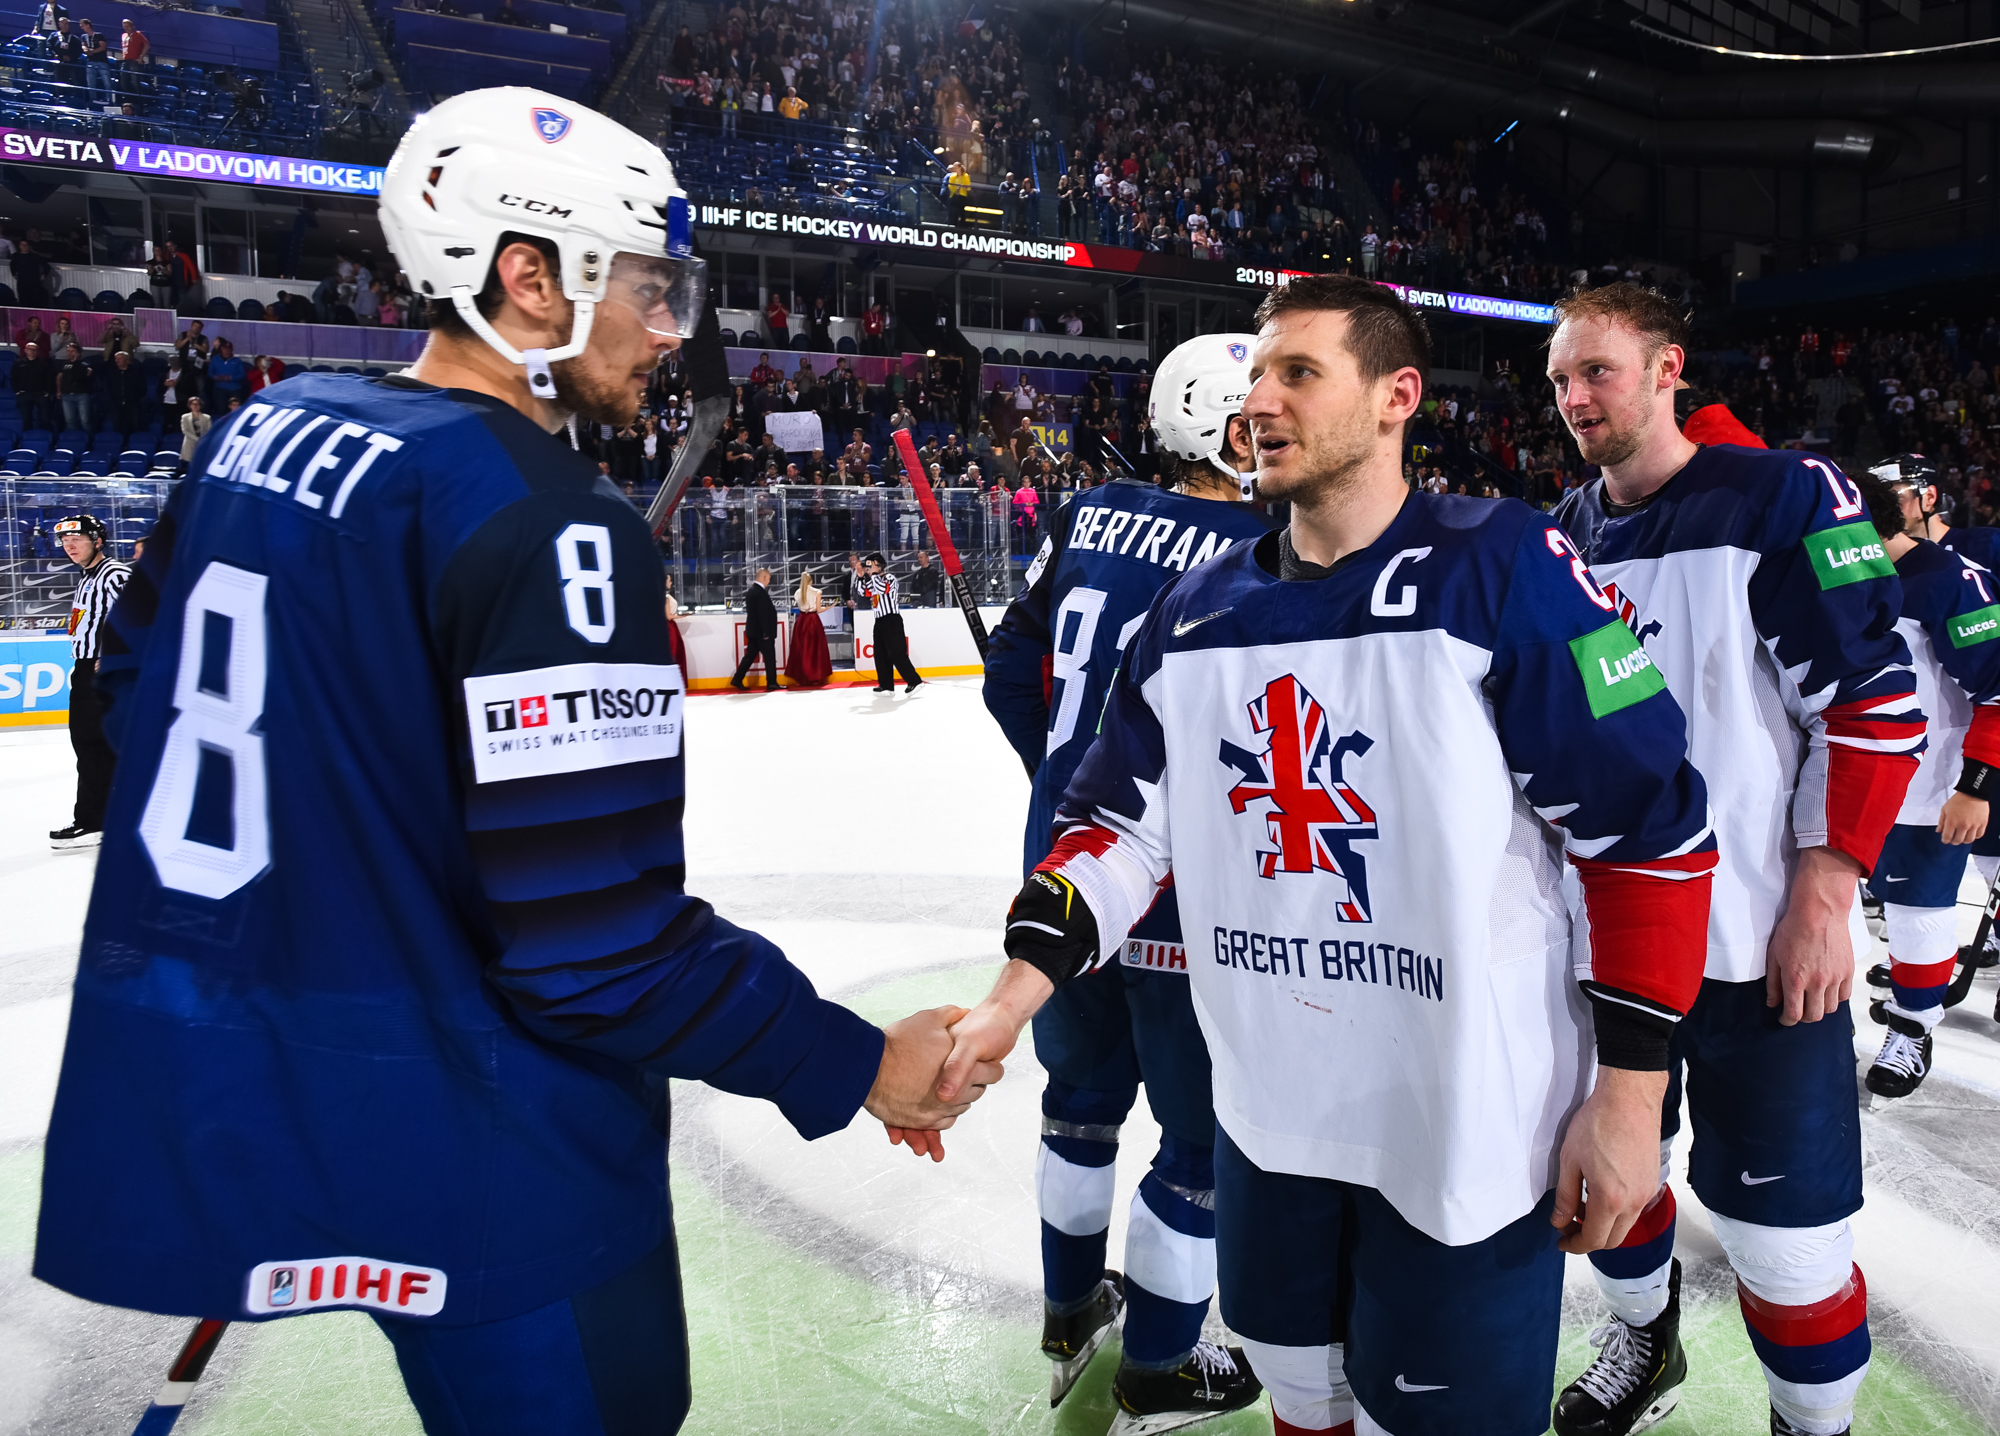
1980 543
1951 622
1110 550
388 956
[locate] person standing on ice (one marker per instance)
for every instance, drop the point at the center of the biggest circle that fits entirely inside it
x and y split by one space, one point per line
389 957
1110 552
1304 733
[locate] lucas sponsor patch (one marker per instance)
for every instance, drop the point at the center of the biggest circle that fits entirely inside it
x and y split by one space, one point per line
1616 671
572 717
279 1288
1980 626
1848 554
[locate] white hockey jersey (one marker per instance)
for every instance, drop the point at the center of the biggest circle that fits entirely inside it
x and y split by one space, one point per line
1354 781
1756 583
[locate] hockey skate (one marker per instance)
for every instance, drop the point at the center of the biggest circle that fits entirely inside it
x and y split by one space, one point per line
1070 1341
75 837
1904 1061
1636 1379
1213 1381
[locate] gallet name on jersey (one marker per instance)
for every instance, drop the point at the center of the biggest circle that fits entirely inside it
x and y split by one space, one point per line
572 717
1331 959
1153 538
265 439
280 1288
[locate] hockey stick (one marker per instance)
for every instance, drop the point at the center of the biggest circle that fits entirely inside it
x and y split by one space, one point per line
708 378
181 1377
1962 983
954 571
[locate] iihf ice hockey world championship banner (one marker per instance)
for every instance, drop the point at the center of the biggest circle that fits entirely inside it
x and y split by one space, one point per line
33 147
1071 254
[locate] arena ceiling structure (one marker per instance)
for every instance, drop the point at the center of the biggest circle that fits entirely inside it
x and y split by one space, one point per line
1852 127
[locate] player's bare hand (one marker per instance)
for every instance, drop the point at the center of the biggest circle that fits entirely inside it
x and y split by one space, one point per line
904 1098
1610 1168
1964 818
1809 967
988 1032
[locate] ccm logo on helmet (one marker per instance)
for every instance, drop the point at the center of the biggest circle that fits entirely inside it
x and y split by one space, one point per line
536 206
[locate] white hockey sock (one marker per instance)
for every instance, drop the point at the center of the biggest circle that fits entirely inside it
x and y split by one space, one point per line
1637 1301
1308 1384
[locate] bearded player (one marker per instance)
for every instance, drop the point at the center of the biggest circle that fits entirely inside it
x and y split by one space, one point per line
1361 747
1761 592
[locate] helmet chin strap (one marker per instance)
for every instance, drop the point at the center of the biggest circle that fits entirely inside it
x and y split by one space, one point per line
1242 480
541 383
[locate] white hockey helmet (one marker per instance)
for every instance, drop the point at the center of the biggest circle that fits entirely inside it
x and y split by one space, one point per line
488 162
1197 388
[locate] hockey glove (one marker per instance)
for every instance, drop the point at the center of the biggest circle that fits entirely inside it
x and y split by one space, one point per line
1051 928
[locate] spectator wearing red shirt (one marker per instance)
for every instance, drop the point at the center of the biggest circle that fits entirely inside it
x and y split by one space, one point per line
764 373
872 324
778 318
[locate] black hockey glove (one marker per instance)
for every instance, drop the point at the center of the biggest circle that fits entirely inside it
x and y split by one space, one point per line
1687 400
1051 928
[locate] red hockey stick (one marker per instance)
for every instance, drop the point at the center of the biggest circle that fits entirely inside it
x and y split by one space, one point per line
954 571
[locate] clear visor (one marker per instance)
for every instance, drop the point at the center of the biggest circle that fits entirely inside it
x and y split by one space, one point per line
666 294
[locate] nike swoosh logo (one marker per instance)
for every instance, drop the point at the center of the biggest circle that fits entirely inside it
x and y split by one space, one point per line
1895 880
1402 1385
1188 625
1750 1181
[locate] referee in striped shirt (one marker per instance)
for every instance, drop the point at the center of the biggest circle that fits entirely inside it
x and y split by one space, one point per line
892 645
83 537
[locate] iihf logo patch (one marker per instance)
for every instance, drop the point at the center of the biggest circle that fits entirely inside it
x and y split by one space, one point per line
1315 816
1239 352
551 125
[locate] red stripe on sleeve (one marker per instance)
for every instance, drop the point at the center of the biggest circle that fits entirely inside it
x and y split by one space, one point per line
1982 740
1081 839
1814 1325
1864 792
1649 932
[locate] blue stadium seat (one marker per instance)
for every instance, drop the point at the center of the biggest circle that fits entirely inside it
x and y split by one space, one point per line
990 354
220 308
1031 356
846 345
108 301
72 298
1068 360
251 310
729 338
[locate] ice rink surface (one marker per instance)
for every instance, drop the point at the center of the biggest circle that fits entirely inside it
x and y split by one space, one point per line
841 1286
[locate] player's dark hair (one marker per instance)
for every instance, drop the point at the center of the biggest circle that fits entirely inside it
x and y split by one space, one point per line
1640 308
444 316
877 557
1383 333
1885 504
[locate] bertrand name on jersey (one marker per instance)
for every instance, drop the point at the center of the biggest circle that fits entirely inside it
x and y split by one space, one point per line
572 717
